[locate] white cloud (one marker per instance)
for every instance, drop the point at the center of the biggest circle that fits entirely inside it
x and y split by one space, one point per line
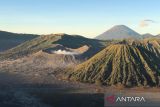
146 23
65 52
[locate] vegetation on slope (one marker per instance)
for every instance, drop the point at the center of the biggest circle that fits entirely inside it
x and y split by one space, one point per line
46 41
121 63
9 40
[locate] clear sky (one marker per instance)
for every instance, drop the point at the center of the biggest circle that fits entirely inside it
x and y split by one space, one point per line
84 17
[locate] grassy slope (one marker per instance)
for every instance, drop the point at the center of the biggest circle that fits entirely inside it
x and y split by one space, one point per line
9 40
46 41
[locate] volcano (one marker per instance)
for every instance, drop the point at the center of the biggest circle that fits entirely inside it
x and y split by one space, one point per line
120 63
72 43
119 32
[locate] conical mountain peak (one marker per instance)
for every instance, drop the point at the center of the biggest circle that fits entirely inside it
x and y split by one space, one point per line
120 63
119 32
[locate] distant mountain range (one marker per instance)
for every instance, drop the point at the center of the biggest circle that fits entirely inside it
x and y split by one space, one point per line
119 32
158 36
9 40
129 62
147 35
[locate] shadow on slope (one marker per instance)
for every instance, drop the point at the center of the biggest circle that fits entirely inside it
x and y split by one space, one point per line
9 40
15 92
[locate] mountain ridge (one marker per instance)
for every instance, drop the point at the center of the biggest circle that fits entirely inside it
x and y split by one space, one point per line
9 40
49 41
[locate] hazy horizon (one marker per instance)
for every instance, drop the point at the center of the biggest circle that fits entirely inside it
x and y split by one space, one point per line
84 17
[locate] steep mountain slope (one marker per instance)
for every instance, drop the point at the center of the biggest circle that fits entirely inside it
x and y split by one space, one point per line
50 41
150 44
119 32
129 65
9 40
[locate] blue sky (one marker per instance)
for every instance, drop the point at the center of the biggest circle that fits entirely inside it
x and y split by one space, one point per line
84 17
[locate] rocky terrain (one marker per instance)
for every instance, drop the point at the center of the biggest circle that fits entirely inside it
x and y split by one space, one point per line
60 69
127 63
